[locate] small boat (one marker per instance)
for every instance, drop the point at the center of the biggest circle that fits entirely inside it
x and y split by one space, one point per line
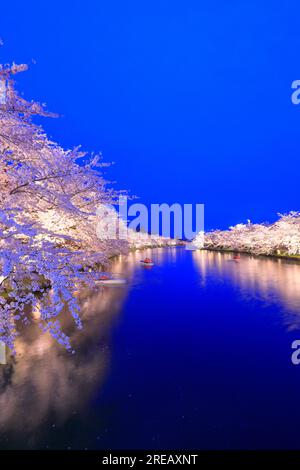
147 262
236 257
105 280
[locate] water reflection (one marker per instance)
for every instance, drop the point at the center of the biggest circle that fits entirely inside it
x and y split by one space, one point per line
45 384
275 281
43 379
44 387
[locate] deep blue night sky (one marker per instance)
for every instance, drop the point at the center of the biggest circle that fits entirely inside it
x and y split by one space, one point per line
190 99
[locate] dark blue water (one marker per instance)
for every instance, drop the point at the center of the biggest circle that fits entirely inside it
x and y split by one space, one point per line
194 353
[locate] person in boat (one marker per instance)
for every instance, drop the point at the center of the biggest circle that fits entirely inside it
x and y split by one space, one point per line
147 260
104 277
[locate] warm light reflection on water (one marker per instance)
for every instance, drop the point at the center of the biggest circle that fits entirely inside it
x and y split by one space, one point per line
63 382
272 280
60 382
44 388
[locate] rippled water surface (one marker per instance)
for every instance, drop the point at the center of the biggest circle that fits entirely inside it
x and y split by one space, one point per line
193 353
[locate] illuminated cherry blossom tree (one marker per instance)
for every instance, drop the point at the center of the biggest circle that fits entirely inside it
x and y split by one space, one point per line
48 208
49 211
282 237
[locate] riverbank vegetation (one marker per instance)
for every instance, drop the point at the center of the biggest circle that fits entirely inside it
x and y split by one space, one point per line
281 238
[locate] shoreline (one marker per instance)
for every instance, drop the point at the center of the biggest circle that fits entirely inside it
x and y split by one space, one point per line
295 258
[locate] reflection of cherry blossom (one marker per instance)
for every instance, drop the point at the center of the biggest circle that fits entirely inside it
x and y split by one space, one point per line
273 281
61 383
